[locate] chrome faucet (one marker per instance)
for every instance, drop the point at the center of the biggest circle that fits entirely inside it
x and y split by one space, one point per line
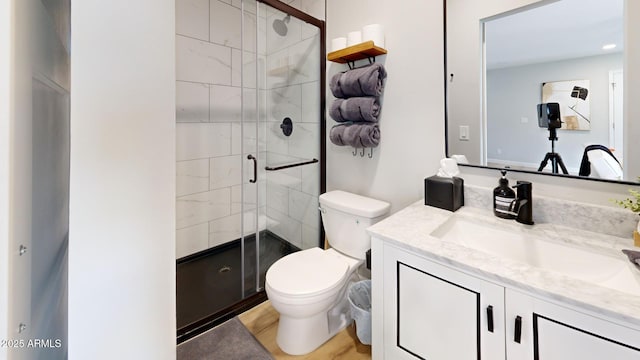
522 206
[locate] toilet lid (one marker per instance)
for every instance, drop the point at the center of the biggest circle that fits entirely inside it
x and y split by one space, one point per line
306 272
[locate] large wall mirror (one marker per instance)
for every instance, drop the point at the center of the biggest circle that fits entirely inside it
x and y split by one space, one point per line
504 57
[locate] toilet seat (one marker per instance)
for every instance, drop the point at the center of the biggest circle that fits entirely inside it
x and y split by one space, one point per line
306 273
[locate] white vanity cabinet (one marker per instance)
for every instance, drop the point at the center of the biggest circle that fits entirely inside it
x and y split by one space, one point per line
423 309
431 311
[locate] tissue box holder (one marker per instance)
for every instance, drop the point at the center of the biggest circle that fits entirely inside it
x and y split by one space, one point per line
444 193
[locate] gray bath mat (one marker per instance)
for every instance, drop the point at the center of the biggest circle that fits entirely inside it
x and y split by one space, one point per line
229 341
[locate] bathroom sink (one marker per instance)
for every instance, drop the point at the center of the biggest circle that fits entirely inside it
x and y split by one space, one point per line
520 244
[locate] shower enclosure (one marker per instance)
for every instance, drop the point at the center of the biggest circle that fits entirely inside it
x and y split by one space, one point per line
250 150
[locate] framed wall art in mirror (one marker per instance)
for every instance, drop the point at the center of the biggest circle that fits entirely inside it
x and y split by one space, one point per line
573 98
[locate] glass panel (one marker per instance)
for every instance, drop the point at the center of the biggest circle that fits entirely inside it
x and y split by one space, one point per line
292 93
210 161
252 146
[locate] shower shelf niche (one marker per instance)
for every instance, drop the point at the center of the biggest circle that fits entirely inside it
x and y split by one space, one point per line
356 52
280 71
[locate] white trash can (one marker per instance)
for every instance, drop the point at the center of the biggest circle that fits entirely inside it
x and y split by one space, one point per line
360 300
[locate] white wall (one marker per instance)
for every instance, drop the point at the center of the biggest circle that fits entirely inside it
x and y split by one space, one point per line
5 73
24 44
122 218
412 117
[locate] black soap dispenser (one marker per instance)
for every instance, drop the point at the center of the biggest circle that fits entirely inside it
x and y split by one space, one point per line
503 197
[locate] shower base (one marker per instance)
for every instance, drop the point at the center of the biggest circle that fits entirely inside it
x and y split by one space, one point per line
209 287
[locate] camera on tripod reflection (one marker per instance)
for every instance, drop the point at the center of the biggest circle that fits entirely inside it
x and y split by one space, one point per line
549 116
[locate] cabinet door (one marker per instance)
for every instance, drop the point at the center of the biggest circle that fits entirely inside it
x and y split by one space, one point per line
434 312
554 332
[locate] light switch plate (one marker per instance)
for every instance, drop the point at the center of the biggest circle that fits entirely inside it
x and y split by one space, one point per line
463 133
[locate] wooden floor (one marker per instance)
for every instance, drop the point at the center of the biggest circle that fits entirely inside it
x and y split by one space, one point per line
262 321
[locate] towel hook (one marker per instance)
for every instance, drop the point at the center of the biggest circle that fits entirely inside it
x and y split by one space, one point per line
355 152
370 153
362 153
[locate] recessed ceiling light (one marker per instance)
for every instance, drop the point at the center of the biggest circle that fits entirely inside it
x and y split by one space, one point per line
608 46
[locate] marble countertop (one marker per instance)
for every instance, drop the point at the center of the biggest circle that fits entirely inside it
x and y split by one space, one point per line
411 229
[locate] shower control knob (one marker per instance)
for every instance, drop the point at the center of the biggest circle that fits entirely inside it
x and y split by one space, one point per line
287 126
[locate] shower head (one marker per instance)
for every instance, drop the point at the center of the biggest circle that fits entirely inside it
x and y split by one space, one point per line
280 26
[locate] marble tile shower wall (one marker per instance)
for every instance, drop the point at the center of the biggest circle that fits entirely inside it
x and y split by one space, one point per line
209 134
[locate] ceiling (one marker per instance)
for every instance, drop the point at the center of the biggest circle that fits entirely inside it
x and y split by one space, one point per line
560 30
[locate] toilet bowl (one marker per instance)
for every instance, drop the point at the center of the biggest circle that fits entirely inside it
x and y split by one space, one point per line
303 287
309 288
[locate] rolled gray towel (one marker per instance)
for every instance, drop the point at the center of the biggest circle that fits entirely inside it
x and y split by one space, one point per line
357 135
369 135
336 134
355 109
364 81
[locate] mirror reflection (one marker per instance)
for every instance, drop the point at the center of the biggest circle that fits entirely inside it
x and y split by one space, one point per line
547 94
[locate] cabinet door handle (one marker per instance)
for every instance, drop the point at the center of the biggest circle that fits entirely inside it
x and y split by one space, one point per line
490 318
518 330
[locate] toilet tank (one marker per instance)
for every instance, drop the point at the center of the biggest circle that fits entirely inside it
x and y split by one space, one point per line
346 216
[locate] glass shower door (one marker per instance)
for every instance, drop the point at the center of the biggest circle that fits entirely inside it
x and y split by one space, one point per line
248 135
281 126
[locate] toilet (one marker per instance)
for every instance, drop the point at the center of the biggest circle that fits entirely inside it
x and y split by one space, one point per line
309 287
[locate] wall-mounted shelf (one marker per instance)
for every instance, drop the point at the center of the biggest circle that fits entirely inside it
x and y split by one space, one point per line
356 52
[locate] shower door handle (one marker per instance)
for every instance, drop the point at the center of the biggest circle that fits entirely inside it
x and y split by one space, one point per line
255 168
